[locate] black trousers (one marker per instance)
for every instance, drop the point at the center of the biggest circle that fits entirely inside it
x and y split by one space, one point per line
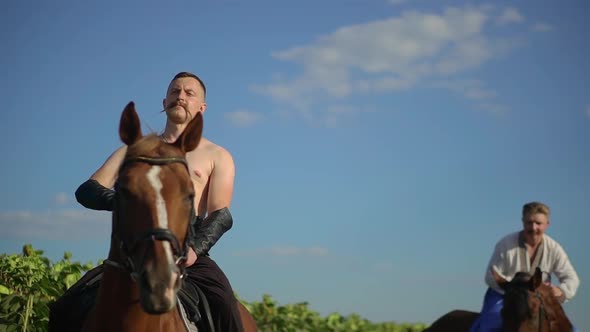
207 275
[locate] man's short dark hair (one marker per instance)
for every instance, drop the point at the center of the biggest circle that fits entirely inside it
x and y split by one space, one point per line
187 74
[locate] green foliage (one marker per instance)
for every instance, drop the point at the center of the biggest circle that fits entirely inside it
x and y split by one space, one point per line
271 317
29 282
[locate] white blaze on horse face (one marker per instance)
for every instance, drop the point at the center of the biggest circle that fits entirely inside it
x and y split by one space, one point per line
153 177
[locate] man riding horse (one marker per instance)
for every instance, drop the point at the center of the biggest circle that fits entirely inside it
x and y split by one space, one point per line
212 172
524 251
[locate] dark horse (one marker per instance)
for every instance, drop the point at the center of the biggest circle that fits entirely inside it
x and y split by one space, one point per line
149 240
529 306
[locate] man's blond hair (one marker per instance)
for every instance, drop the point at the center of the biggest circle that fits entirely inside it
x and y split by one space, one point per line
534 208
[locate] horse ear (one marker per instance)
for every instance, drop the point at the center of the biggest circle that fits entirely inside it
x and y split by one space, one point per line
536 280
191 136
129 127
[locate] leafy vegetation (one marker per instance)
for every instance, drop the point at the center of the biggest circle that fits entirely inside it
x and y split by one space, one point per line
271 317
29 282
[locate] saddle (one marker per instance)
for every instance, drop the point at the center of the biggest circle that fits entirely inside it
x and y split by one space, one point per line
67 313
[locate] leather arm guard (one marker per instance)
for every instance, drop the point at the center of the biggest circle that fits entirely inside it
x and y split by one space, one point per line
206 232
95 196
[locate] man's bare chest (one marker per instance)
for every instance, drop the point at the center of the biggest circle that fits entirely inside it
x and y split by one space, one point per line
200 167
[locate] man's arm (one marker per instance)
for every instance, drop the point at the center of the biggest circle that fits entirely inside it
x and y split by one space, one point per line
219 220
495 272
566 274
106 175
221 182
96 192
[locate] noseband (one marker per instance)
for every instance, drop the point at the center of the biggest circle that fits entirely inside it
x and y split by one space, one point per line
128 244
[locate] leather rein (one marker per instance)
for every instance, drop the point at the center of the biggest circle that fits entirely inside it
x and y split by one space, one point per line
542 311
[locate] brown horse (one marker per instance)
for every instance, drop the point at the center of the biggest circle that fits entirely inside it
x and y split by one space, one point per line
529 306
151 218
454 321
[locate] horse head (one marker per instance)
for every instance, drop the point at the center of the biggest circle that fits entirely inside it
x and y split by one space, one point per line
153 210
529 305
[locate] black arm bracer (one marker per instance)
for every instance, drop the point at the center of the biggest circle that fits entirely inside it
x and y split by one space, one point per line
206 232
95 196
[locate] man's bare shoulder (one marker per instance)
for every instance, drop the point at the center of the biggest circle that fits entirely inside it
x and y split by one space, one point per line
216 152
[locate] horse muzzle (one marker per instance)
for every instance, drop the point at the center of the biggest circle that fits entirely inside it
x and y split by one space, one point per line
158 289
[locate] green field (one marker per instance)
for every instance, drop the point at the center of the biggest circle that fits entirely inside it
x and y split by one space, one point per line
30 281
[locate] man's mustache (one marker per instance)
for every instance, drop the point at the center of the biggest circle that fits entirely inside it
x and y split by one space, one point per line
174 104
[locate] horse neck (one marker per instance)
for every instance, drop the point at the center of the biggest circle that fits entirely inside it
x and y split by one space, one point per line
548 316
118 308
514 326
118 296
557 319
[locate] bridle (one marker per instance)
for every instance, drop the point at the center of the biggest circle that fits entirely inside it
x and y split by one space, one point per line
542 311
128 243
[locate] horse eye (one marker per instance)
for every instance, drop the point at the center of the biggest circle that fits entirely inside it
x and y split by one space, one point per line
190 198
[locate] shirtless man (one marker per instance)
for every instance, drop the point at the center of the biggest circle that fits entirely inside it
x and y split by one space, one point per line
212 172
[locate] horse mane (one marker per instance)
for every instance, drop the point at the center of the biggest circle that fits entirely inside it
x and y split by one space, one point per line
516 299
150 145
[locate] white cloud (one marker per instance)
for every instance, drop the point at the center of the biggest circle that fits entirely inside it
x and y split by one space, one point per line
475 90
510 15
542 27
61 198
401 49
336 114
285 251
384 84
57 224
243 118
493 108
470 89
389 55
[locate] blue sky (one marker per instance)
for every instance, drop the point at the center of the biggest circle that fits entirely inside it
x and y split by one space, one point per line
381 147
